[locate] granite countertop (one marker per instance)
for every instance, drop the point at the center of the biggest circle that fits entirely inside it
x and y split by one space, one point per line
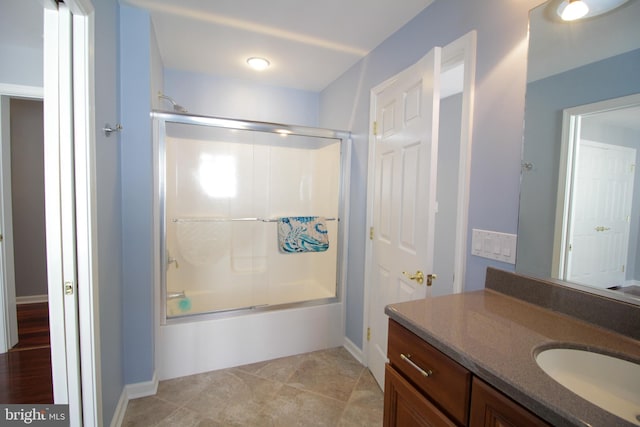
495 336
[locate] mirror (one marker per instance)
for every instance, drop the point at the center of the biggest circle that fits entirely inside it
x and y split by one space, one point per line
582 104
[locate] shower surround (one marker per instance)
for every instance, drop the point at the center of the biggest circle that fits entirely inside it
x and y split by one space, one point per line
228 294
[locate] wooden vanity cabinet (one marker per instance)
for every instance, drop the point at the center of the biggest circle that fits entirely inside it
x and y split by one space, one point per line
424 387
490 408
443 382
406 406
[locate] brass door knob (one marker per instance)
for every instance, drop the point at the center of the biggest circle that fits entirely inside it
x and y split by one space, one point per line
418 277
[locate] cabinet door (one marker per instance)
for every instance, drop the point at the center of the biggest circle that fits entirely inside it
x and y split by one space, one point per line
448 383
404 406
490 408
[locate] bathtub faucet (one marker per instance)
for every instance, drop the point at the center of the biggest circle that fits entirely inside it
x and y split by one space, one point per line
176 295
172 260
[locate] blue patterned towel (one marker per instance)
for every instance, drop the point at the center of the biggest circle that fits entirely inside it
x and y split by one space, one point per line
302 234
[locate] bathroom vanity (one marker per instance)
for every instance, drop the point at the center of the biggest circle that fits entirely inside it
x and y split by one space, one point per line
470 359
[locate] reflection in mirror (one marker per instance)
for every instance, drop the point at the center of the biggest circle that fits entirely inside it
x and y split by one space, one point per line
579 120
595 240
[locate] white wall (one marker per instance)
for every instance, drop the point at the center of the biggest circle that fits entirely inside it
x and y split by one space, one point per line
497 123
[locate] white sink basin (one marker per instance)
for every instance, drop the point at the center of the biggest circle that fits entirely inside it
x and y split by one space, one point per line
611 383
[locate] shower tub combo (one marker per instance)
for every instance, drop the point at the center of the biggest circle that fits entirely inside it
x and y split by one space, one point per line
250 241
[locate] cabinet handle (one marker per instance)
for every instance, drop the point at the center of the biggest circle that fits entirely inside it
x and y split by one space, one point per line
407 359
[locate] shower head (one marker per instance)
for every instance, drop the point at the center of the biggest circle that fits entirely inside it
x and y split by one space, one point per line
176 107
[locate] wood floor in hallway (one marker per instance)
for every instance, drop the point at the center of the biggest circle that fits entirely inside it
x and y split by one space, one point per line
25 371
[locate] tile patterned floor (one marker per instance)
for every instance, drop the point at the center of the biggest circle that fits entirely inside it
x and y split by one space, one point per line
323 388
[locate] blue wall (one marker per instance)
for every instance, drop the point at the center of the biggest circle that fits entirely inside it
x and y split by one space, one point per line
137 195
546 99
497 128
233 98
108 199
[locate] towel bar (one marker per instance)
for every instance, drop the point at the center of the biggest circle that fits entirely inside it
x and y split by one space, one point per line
234 219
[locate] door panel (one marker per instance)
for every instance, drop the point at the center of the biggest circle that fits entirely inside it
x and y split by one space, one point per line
405 156
601 212
409 198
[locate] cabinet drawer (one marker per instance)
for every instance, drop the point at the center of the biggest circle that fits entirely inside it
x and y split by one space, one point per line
434 374
404 406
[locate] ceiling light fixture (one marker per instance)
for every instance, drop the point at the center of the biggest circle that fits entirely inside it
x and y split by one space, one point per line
570 10
258 63
283 132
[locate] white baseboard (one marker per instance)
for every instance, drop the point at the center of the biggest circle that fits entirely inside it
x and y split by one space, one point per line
133 391
30 299
354 350
144 389
121 409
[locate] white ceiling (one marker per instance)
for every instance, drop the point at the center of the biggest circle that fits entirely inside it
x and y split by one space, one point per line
309 43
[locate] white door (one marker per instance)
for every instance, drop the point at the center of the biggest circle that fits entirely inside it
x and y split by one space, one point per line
600 214
404 187
70 207
60 220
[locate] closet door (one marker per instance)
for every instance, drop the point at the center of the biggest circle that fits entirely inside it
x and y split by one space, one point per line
70 208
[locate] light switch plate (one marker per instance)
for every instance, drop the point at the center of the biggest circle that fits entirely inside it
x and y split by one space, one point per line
494 245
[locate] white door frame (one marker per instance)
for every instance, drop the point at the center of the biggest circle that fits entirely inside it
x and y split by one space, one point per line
463 49
8 317
571 118
71 214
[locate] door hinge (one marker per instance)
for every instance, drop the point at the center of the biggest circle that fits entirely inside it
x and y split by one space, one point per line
68 288
370 233
633 167
375 128
623 268
368 334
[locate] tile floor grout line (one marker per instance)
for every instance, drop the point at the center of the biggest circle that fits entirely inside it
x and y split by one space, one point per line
328 359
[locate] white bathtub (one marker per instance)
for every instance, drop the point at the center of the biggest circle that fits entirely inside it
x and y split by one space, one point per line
228 298
193 345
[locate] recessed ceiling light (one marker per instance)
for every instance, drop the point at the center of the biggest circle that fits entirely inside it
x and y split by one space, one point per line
258 63
570 10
